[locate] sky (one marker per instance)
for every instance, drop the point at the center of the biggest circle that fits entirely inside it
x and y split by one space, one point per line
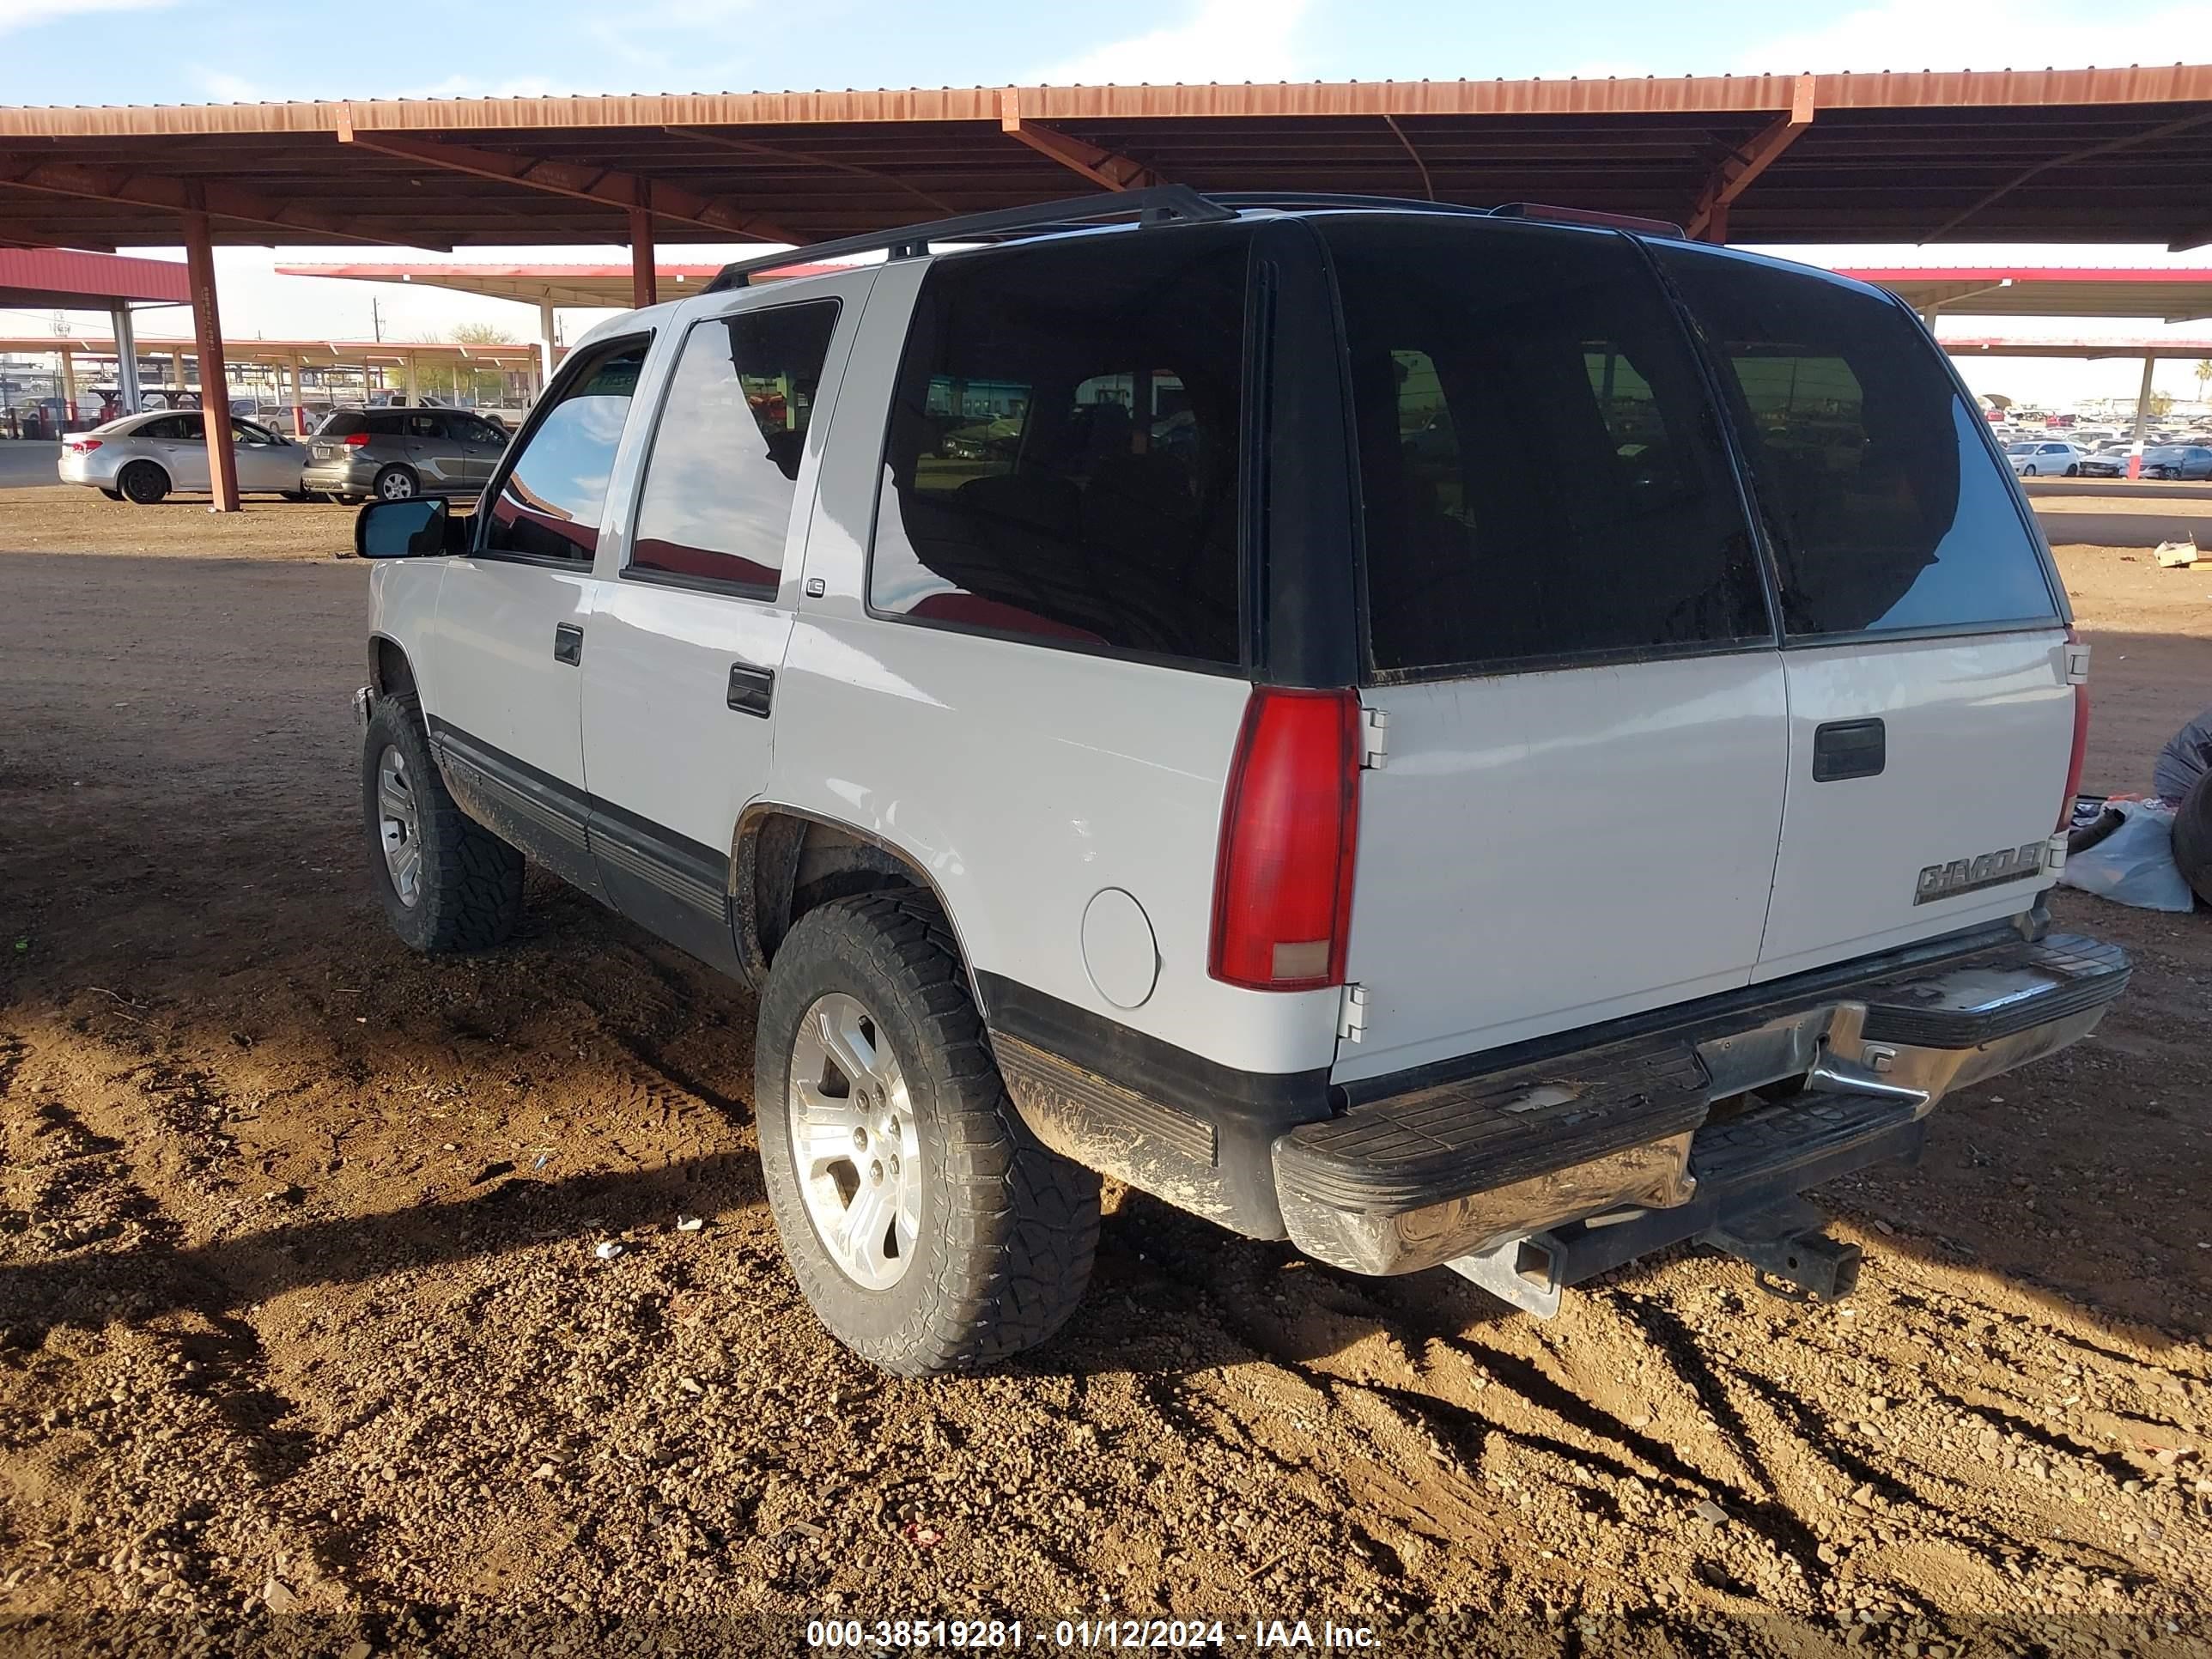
109 52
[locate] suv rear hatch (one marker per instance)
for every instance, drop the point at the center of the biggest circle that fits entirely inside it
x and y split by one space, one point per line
1933 711
1631 637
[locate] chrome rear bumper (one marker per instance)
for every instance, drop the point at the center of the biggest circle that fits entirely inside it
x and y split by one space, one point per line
1657 1139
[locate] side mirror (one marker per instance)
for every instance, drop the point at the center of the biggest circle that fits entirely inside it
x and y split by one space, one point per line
421 528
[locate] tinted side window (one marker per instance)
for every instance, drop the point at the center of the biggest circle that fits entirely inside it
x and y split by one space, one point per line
1063 444
167 429
341 424
1885 508
551 502
725 463
1540 478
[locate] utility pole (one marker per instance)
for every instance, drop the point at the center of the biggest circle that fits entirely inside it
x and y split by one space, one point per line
376 320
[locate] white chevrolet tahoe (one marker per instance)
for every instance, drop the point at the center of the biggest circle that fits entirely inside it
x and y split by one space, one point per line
1453 739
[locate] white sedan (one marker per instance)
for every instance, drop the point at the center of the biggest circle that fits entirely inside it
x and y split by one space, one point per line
145 457
2044 457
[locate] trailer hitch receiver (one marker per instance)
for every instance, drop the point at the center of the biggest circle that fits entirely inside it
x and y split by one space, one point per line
1789 1242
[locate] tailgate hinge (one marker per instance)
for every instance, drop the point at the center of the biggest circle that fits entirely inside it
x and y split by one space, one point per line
2054 854
2077 662
1351 1013
1374 739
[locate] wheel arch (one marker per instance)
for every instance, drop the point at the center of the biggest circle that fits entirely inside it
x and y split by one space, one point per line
390 672
786 861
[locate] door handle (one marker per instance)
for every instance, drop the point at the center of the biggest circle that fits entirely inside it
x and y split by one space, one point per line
752 689
1849 749
568 644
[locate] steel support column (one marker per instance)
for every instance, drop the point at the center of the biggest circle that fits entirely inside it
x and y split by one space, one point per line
413 382
299 399
644 280
69 384
2142 418
546 344
126 360
215 380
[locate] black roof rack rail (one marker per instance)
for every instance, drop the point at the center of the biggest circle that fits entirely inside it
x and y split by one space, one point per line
1163 204
1535 210
1640 223
1291 199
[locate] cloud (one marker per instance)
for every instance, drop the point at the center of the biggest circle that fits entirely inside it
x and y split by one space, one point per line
1216 40
227 88
29 14
1986 34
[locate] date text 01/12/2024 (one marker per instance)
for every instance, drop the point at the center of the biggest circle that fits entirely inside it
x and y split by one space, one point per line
987 1635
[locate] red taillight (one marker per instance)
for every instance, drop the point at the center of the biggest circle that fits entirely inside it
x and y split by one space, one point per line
1290 831
85 446
2081 748
355 439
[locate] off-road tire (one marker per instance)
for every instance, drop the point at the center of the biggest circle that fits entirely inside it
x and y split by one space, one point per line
143 484
468 895
396 484
1008 1229
2192 838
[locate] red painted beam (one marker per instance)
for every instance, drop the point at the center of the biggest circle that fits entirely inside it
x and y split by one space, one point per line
214 385
1709 222
1102 167
644 283
606 187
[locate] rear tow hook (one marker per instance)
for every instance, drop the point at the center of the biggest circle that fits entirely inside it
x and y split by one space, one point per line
1789 1246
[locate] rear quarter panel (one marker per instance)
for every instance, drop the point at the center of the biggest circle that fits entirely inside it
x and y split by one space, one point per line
1022 779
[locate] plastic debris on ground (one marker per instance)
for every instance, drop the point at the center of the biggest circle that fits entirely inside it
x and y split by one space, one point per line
2175 555
2186 758
608 1251
2133 863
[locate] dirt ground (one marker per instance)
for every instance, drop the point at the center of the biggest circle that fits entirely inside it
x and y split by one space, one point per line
305 1343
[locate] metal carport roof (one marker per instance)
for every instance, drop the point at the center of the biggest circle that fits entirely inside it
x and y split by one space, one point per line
2112 155
33 278
2168 294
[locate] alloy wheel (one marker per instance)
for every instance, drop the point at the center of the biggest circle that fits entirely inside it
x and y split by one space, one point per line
398 826
853 1140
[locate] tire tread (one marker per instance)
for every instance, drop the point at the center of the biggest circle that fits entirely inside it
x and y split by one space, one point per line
1024 1221
472 890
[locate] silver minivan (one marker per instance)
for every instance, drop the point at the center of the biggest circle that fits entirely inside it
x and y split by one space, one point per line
398 454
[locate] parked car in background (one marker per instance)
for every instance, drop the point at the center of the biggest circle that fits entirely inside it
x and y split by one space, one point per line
2177 461
396 454
2044 457
2110 461
145 458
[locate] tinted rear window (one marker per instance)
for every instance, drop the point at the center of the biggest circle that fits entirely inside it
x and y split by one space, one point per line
1539 477
1064 443
342 423
1887 509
